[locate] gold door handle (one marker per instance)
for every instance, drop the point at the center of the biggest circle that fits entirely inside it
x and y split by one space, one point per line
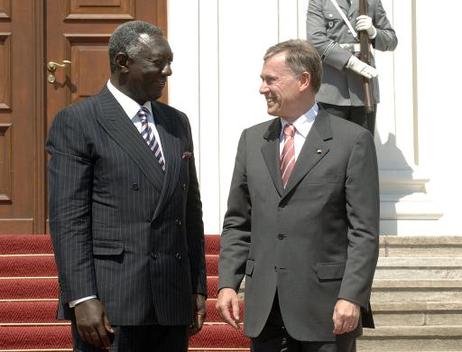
53 66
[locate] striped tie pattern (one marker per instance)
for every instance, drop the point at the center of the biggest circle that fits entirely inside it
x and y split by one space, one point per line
148 135
288 153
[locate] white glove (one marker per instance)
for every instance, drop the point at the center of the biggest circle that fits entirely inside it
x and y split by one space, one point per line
364 23
361 67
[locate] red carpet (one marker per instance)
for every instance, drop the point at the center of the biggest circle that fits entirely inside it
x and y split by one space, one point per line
28 299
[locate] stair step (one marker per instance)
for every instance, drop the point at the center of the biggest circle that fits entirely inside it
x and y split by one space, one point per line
47 287
212 286
419 268
212 264
216 335
20 288
28 312
19 244
400 290
219 335
44 265
36 337
27 265
212 313
421 246
406 338
44 312
212 244
418 313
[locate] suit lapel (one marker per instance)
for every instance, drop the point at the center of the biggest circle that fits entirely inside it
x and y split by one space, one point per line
270 151
117 124
171 148
316 146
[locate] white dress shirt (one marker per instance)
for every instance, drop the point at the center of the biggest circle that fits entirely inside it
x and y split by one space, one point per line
131 108
302 128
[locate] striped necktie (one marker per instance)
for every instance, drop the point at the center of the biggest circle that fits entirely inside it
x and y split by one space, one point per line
148 135
288 153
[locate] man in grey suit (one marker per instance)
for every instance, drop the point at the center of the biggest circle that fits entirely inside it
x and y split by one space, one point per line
125 210
341 91
302 218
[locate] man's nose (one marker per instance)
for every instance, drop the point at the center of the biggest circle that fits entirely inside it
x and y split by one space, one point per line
167 70
263 88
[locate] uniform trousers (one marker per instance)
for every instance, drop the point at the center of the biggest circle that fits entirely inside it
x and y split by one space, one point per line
275 338
356 114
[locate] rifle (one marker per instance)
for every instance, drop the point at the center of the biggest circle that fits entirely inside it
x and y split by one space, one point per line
365 56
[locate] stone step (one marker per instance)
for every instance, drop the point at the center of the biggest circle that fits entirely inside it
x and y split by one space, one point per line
405 290
419 268
418 314
406 338
421 246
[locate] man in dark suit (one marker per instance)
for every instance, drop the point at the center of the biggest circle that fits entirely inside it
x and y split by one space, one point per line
302 219
125 210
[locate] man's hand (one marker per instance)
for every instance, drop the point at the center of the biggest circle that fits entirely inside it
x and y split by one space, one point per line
346 316
364 23
361 67
228 306
199 313
92 324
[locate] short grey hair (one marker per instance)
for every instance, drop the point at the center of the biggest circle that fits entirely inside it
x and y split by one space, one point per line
127 38
301 56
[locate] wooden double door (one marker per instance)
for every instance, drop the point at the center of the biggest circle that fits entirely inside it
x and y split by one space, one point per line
52 53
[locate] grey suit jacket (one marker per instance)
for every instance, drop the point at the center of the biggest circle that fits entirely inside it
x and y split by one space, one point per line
314 241
326 29
121 229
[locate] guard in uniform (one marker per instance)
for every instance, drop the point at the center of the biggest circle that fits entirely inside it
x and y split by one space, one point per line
332 27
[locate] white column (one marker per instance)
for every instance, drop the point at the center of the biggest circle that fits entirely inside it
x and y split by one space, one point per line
406 206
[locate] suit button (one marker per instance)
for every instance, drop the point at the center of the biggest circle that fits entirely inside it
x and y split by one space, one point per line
135 187
154 256
281 236
178 256
178 222
184 186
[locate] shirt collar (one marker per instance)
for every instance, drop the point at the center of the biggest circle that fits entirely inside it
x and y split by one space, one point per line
130 106
303 123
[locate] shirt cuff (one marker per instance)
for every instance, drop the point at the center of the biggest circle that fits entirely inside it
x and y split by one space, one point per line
72 304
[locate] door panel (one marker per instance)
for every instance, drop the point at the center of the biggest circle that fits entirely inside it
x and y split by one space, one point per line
17 116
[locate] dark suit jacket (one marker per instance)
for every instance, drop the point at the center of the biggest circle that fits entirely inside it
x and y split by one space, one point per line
314 241
121 228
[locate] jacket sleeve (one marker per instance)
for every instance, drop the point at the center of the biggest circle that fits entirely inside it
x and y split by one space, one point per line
194 225
70 171
235 238
386 39
331 53
362 205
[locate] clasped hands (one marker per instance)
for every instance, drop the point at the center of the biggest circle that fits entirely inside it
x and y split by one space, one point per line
345 317
94 328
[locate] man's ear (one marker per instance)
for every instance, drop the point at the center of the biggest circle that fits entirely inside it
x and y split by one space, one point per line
305 81
121 60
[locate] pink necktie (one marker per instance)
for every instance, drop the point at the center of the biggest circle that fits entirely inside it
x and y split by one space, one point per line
288 153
